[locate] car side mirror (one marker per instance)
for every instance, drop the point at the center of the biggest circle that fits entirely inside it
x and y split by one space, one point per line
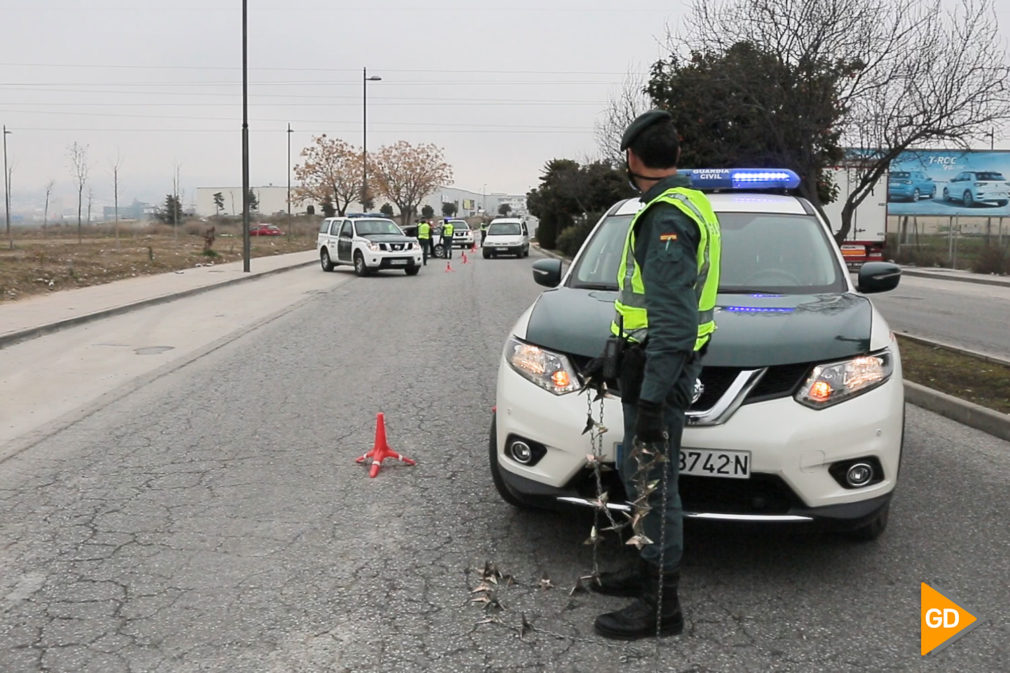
547 272
878 277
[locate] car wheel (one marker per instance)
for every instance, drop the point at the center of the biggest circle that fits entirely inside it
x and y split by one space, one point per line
438 251
485 254
916 196
946 194
507 494
359 265
873 528
968 201
324 260
412 270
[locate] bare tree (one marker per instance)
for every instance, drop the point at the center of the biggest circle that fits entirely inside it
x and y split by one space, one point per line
45 211
79 164
926 74
91 199
629 102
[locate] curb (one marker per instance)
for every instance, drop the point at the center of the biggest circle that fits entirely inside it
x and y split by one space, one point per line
940 275
966 413
24 335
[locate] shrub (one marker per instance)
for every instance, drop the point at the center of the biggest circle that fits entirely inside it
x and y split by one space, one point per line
992 259
570 240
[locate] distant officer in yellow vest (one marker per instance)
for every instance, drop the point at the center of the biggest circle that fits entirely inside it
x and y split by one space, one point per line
424 236
667 283
483 232
447 230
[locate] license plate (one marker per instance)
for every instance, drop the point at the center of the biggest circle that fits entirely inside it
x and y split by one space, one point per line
397 262
709 463
501 249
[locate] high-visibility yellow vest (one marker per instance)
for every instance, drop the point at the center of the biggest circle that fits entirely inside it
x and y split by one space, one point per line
447 230
630 303
424 230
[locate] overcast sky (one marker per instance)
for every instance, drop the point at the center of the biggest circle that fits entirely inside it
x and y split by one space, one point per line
503 86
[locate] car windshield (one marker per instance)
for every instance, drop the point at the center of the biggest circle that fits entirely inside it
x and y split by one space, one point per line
374 227
899 174
761 252
460 226
504 229
989 175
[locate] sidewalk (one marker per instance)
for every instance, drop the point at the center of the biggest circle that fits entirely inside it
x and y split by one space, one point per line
33 317
955 274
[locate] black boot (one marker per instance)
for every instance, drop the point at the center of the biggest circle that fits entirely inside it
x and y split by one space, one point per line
638 620
626 581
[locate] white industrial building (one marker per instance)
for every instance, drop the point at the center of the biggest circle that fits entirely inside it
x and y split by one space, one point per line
273 200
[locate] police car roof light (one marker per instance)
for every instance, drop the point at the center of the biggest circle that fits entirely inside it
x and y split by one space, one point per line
742 178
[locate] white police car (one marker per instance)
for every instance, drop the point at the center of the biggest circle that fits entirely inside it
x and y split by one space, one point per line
801 412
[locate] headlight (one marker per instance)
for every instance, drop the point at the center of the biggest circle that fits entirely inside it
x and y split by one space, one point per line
374 247
551 371
835 382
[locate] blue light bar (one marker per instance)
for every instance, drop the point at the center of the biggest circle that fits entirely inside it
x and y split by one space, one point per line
742 178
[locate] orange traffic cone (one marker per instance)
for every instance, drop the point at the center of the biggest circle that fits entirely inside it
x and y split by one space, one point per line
380 450
473 247
448 266
464 257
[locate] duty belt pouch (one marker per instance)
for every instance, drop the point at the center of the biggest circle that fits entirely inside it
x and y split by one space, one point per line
612 352
632 373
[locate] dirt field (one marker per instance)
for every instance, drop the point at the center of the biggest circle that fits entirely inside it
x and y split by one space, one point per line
54 259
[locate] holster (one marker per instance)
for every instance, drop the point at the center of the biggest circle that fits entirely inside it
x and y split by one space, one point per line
632 372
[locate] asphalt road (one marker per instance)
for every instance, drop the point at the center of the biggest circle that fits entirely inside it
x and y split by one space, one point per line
967 315
208 515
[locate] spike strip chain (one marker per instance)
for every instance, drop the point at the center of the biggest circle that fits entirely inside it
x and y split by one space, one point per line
662 539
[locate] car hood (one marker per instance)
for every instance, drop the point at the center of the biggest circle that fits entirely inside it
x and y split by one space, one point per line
388 238
752 330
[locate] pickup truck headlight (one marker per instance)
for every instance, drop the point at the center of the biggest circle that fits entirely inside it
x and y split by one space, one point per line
374 247
547 369
834 382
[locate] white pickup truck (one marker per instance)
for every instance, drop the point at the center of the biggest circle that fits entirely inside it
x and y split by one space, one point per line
367 243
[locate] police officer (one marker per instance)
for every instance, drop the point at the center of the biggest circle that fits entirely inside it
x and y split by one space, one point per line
447 229
424 236
483 232
667 283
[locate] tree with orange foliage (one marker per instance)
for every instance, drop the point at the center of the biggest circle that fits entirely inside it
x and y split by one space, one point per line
406 173
331 170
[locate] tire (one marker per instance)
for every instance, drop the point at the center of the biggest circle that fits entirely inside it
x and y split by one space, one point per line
359 265
325 261
967 199
872 529
438 251
946 194
504 491
412 270
485 254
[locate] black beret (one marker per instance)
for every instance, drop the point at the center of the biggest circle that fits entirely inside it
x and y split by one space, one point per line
641 123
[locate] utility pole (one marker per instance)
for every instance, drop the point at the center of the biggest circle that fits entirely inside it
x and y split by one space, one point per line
365 79
246 252
7 192
289 178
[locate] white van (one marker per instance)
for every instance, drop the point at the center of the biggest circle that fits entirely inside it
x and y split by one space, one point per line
506 236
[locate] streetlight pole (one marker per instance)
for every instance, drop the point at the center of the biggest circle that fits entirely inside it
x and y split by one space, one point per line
246 247
7 191
365 79
289 178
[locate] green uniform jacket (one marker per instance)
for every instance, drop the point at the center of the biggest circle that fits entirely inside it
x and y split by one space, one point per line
669 271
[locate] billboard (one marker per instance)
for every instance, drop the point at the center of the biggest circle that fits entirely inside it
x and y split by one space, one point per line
950 182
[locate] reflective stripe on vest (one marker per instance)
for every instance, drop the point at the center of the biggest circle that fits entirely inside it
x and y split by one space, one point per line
447 230
630 303
424 230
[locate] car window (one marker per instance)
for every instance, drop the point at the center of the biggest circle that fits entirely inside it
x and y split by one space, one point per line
761 252
324 227
990 175
375 227
504 229
899 174
347 231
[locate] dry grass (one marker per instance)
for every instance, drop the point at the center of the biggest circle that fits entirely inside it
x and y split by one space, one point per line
973 379
53 259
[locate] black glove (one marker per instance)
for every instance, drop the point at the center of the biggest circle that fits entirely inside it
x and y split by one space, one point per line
649 427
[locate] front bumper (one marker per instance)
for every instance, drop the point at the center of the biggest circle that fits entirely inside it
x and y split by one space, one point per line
792 448
393 261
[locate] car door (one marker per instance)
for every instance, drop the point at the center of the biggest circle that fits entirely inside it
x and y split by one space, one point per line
345 240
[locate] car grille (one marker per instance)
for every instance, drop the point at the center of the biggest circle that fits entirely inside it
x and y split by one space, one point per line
393 247
777 381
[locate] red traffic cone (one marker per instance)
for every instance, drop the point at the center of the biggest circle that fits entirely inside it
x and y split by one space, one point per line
380 451
448 267
473 247
464 257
